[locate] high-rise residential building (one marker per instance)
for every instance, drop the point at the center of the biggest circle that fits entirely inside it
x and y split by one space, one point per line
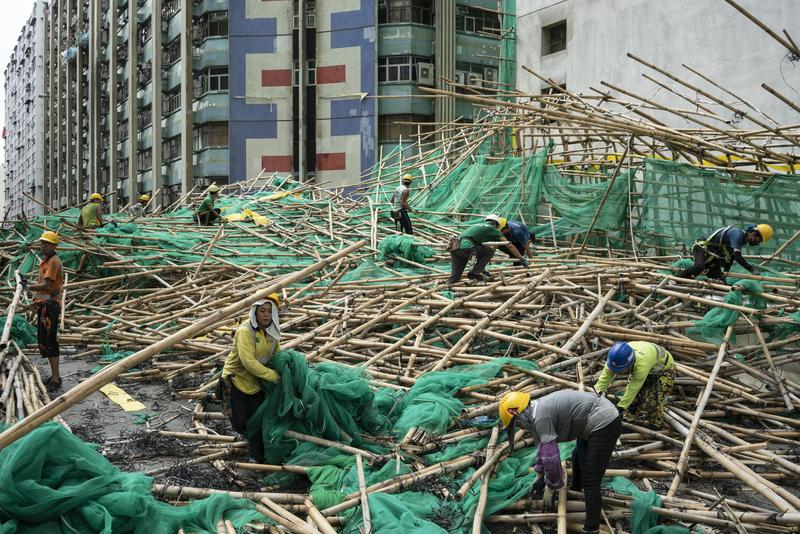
25 118
162 96
581 43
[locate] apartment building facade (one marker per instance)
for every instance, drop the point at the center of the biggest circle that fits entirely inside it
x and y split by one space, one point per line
23 131
162 96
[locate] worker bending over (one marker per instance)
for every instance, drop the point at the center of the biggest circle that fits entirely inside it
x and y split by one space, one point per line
473 238
560 417
137 210
521 238
47 298
715 253
206 212
652 375
92 213
400 207
240 386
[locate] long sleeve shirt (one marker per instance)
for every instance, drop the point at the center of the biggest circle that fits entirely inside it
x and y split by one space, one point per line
649 358
728 242
247 361
559 417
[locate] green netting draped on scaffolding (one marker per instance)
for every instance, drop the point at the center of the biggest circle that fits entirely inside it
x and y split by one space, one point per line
51 482
682 203
22 332
712 326
403 246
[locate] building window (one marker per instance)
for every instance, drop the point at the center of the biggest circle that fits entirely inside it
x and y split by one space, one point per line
311 14
554 38
397 11
144 159
122 168
170 102
169 9
122 129
474 20
214 79
399 68
214 24
311 71
171 148
211 135
145 118
172 53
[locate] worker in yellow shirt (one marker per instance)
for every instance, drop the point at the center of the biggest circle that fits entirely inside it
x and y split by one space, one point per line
91 215
652 375
240 387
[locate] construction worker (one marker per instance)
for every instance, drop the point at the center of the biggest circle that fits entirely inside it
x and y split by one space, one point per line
92 213
47 298
652 375
137 210
559 417
240 386
473 238
520 237
206 212
400 207
715 253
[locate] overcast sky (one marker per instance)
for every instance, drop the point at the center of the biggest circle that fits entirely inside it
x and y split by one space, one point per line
12 18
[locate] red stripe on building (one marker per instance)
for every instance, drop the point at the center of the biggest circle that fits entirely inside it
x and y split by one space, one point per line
331 74
276 77
335 161
276 163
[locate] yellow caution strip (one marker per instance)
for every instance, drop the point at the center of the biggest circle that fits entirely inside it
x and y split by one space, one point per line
118 396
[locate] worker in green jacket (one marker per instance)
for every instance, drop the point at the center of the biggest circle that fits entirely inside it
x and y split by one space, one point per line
206 212
239 388
473 239
652 375
92 213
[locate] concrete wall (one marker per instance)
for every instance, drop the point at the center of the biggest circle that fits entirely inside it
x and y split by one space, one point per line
709 36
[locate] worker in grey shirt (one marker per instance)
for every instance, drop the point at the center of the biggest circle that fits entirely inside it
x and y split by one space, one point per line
137 210
564 416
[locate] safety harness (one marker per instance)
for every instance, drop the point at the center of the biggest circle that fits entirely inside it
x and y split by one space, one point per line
706 243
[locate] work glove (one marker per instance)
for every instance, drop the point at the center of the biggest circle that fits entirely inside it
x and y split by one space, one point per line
538 485
621 410
23 281
524 262
549 499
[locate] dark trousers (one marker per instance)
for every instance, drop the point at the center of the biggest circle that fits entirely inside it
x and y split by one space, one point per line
243 406
208 217
589 462
703 261
516 245
401 217
47 315
459 259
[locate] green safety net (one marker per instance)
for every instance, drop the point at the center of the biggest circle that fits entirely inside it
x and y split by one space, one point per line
403 246
682 203
712 326
22 332
51 482
643 519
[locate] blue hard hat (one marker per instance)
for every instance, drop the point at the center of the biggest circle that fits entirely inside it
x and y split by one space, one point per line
620 357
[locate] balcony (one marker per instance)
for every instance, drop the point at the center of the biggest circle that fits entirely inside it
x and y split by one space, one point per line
211 107
212 52
211 162
210 5
406 39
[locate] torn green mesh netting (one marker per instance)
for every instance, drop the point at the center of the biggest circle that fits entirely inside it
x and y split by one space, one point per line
22 332
404 247
643 519
51 482
712 326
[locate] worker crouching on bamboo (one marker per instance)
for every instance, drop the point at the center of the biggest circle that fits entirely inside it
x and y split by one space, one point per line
560 417
47 297
652 375
240 387
206 212
473 239
91 215
138 209
715 253
521 239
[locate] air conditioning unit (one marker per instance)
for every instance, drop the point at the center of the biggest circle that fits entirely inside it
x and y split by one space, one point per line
461 77
425 74
490 74
474 80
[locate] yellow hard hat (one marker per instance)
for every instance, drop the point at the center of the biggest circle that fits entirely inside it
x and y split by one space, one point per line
96 196
502 224
274 297
765 231
50 237
144 198
213 188
514 400
408 178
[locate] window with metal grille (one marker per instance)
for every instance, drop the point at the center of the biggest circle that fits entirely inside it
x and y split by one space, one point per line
554 38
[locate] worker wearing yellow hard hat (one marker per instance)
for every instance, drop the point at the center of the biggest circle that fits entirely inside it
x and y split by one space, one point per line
400 207
715 253
240 388
47 292
91 215
560 417
206 213
473 239
138 209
